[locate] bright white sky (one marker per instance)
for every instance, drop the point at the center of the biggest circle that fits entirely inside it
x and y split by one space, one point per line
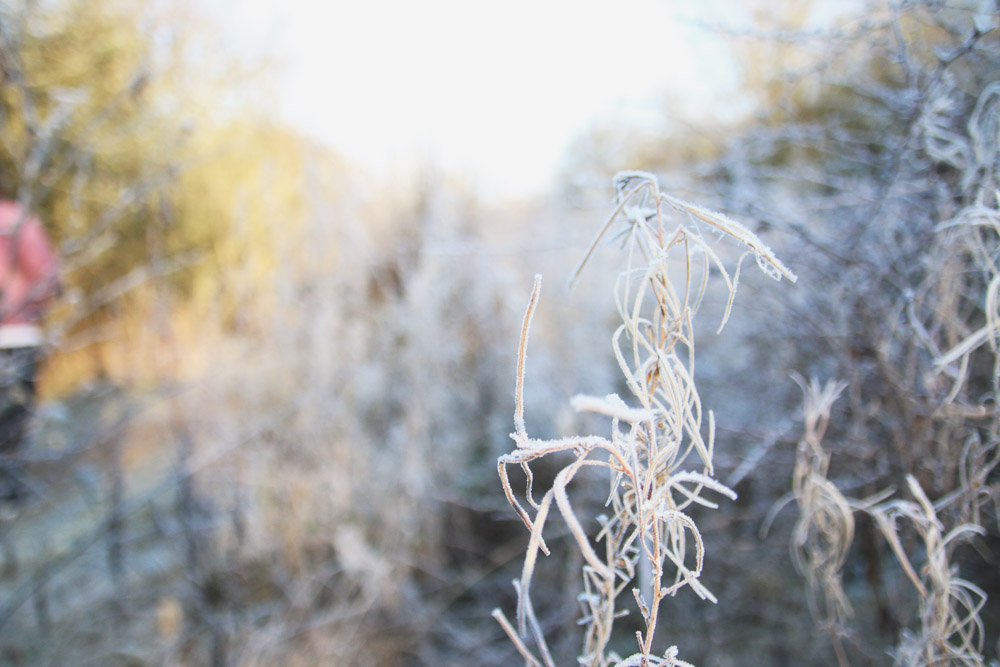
495 90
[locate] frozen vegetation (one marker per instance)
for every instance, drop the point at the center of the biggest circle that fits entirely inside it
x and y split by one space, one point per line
331 440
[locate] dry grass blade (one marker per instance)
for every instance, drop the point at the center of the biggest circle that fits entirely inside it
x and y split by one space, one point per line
522 352
529 658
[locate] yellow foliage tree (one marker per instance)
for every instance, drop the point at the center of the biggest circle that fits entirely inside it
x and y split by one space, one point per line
147 181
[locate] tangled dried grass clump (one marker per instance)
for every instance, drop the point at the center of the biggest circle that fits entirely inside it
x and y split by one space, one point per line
950 629
825 528
658 461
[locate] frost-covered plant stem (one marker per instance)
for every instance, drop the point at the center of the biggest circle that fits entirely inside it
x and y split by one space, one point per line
658 461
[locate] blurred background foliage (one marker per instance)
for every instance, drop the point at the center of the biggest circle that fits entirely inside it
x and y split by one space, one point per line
277 389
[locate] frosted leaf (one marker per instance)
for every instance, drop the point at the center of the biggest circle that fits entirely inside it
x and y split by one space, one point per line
769 269
610 406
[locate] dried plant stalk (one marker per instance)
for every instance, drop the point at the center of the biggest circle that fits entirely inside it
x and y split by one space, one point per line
951 631
658 459
825 528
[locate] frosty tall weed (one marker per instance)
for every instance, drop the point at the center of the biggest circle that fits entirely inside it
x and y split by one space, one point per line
657 457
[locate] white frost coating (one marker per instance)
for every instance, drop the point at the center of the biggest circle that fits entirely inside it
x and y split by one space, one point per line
669 660
704 480
737 231
536 445
611 406
623 177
